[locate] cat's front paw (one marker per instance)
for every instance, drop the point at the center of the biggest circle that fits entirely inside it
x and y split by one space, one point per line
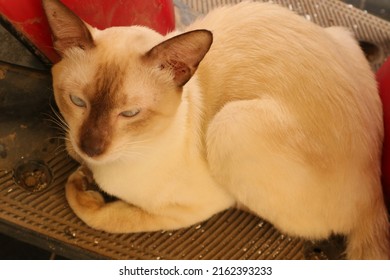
80 198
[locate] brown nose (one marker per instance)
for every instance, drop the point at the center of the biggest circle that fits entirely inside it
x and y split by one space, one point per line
95 133
92 148
93 144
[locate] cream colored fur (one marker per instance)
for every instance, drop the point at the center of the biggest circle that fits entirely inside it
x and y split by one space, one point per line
281 116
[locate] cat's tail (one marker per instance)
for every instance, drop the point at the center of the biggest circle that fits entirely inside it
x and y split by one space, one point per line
369 239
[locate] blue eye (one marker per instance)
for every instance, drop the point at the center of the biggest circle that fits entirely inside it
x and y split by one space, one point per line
78 101
130 113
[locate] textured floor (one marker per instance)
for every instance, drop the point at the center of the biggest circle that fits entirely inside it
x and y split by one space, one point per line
380 8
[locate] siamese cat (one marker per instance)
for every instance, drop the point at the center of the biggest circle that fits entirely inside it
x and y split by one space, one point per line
251 105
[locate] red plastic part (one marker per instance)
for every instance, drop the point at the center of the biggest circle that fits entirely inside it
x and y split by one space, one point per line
383 78
27 17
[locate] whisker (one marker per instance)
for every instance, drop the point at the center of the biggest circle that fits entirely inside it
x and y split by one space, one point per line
57 124
61 147
57 118
136 149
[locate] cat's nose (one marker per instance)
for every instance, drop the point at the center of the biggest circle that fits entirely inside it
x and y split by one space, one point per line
92 147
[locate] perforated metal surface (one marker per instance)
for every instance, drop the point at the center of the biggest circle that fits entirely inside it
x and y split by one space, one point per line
44 218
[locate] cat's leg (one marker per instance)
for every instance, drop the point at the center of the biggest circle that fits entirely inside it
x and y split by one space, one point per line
260 153
121 217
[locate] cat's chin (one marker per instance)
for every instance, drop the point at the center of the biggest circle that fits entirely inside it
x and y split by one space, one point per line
101 160
98 160
76 153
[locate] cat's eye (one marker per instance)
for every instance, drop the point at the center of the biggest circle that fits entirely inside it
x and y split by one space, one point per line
78 101
130 113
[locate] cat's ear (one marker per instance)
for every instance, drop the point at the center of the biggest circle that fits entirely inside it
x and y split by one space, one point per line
182 54
68 30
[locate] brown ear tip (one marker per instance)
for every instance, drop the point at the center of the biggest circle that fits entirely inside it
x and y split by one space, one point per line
50 4
46 2
207 33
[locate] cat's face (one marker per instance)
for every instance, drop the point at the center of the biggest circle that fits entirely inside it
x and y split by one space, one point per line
111 96
119 88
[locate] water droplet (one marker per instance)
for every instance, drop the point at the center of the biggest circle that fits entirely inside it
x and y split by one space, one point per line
96 241
158 258
308 17
350 6
10 190
198 226
260 224
70 232
290 7
245 249
355 26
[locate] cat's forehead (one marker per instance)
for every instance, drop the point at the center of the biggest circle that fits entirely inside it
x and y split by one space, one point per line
118 40
113 68
115 82
106 83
